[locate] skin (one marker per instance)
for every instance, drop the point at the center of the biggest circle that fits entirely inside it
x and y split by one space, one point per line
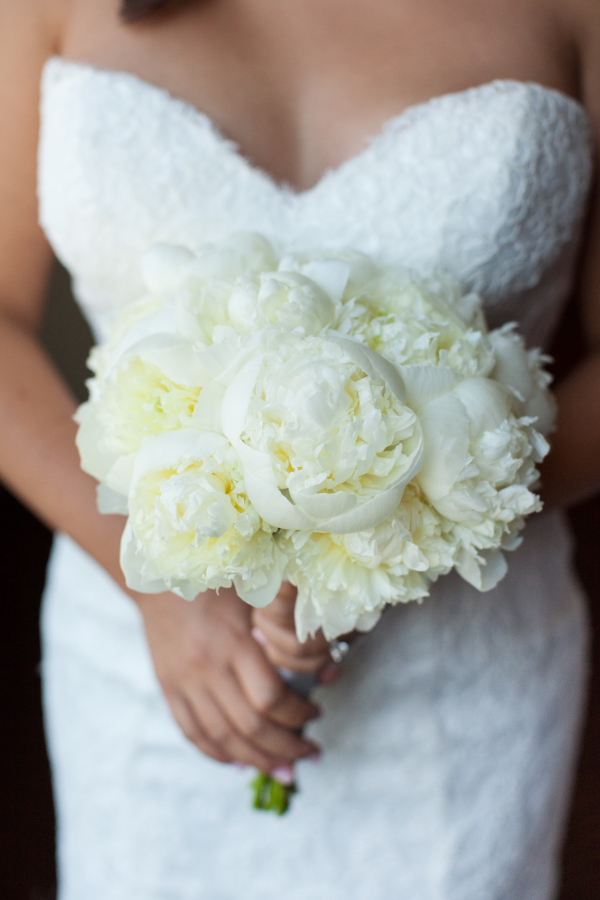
299 87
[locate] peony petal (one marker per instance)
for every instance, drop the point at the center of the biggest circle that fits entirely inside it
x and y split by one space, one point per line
368 620
172 448
274 507
325 505
135 564
255 462
461 505
426 383
94 460
179 362
224 359
511 361
207 412
484 576
239 254
158 326
367 515
121 473
446 444
512 369
187 590
237 398
164 266
542 407
111 503
320 507
373 364
330 274
262 596
486 403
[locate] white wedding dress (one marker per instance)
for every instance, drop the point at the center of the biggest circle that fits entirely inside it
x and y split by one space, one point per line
449 742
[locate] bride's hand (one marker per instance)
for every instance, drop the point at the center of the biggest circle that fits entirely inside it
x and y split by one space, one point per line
275 630
224 693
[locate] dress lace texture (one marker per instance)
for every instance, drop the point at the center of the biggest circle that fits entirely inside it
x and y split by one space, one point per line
488 183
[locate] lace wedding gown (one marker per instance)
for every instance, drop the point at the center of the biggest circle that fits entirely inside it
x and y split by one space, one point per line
449 741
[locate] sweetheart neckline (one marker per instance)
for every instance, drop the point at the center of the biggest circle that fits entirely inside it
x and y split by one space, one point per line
404 117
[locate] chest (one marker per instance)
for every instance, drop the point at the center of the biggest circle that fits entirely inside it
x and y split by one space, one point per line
298 86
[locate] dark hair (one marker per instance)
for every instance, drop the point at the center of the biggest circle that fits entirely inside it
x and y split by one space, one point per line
132 10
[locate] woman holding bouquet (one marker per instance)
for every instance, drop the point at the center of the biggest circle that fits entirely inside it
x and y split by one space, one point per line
449 741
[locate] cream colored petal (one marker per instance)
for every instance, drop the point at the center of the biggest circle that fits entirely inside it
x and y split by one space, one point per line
110 502
135 566
325 505
94 460
483 577
165 265
373 364
426 383
179 362
273 507
237 398
446 444
262 596
330 274
486 403
171 448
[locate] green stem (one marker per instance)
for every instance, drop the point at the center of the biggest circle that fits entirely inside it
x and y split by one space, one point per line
271 795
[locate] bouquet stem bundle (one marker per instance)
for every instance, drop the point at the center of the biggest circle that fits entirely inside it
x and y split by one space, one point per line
271 795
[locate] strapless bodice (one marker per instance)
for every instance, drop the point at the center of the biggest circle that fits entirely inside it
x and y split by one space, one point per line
489 184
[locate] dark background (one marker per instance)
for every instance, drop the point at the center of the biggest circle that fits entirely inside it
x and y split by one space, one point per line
26 815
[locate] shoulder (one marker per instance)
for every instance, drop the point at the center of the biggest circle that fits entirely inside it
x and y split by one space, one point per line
31 27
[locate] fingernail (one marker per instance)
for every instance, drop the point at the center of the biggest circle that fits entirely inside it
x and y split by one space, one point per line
330 674
259 636
239 765
315 757
284 774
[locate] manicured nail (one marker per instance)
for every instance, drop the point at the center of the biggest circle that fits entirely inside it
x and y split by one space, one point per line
315 757
330 674
284 774
239 765
259 636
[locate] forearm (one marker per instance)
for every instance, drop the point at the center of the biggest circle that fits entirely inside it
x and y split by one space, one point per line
571 471
38 457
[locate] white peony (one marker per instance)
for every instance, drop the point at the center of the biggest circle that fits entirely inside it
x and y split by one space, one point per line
479 465
154 387
238 285
345 580
343 276
416 322
522 370
191 526
323 433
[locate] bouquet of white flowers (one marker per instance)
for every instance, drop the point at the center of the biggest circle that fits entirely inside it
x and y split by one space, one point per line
353 429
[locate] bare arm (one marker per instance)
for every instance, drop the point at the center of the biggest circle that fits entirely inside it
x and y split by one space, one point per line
223 691
572 470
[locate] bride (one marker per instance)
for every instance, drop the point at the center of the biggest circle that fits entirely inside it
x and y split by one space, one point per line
448 741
